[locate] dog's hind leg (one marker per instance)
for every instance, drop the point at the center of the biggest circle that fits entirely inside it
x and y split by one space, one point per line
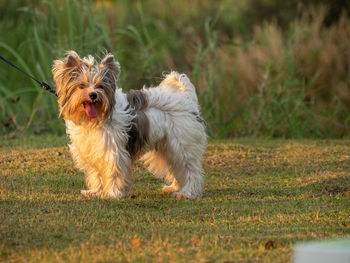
188 175
157 164
185 162
178 161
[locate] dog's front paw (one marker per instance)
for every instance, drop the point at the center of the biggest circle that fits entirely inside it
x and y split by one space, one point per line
90 193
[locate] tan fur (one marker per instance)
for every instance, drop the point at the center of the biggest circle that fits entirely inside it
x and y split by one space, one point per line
173 83
76 78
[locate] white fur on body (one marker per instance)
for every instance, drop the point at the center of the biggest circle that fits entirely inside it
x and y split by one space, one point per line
174 151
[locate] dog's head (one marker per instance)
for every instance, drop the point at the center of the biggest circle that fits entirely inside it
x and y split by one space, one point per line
85 91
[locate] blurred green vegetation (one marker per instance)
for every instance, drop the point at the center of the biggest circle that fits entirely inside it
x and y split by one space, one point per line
261 68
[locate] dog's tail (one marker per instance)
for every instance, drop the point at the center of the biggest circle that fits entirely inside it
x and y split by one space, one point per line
180 83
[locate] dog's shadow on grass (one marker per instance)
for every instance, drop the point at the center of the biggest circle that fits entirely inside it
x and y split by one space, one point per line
332 186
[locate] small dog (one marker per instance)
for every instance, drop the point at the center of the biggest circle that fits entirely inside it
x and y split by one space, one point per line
110 129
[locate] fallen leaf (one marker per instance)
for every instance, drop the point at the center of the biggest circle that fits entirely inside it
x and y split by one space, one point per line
14 101
135 241
270 244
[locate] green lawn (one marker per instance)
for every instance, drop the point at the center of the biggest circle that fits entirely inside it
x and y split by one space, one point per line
261 197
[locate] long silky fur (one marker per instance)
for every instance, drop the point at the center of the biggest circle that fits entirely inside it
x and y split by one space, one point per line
162 125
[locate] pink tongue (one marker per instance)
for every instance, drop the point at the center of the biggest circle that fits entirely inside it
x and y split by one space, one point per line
91 110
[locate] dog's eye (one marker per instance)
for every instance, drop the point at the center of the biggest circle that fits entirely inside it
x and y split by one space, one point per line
99 87
82 86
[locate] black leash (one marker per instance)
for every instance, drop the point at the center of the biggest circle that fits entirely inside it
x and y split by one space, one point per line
41 83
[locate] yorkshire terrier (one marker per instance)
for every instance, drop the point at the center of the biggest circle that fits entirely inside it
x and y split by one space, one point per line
109 129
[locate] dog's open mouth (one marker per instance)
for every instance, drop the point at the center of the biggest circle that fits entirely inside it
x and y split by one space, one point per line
91 109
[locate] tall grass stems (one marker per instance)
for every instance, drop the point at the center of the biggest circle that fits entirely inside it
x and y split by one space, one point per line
290 82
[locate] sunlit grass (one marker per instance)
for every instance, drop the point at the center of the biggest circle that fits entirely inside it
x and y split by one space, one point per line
256 191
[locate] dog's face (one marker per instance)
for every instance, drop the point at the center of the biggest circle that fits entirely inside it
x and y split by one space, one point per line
85 91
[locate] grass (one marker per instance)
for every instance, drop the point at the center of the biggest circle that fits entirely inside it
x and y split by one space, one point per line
257 72
261 197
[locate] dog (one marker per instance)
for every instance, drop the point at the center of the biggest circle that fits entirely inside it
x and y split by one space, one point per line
110 129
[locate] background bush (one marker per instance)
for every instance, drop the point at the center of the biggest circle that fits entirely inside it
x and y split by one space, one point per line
262 68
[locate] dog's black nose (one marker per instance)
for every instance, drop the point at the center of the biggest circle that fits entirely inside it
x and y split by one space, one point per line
93 95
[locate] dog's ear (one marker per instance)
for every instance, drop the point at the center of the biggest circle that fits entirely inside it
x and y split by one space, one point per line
72 59
65 70
111 65
61 68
